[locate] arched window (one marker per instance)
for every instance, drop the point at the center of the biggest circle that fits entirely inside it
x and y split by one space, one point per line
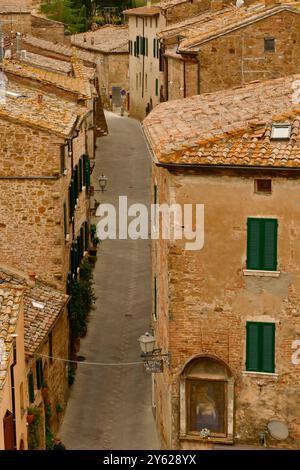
206 396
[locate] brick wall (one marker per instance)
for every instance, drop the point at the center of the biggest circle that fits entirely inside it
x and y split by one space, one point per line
210 301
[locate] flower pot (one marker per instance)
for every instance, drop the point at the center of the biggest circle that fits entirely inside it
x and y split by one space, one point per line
45 392
30 419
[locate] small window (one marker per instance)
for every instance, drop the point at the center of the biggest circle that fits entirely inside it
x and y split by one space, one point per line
281 131
269 45
263 186
146 82
156 87
260 347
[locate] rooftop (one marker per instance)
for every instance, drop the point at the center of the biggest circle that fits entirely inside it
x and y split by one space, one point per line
47 63
57 48
108 39
42 307
10 303
155 8
52 114
230 127
226 20
77 85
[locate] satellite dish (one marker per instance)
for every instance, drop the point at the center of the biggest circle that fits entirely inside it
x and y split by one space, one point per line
278 430
239 3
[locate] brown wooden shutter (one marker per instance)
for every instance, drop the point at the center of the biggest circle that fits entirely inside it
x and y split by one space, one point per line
8 427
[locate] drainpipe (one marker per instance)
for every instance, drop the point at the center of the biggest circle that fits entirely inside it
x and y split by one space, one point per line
13 396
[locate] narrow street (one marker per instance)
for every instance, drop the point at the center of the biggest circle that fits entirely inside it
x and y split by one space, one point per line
110 406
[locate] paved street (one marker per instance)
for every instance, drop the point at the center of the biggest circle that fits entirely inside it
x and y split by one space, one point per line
110 407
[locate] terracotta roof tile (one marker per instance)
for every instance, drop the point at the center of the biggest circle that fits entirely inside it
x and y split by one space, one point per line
43 305
10 303
108 39
75 85
226 20
47 63
53 114
231 127
57 48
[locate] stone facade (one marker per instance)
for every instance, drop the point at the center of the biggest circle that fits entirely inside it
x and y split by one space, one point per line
47 29
235 57
194 293
146 70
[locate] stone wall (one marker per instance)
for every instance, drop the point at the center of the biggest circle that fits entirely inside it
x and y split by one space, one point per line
16 22
239 57
210 301
32 214
47 29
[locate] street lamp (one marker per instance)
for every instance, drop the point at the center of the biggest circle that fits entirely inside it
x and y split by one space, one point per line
149 352
102 182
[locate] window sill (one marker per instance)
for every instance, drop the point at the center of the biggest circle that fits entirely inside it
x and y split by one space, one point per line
212 439
260 273
261 374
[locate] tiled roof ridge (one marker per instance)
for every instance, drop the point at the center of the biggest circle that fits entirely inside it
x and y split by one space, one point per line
251 16
50 77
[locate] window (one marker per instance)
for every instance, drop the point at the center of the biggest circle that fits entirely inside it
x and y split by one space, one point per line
156 87
262 244
30 387
155 298
137 45
263 186
86 171
260 347
269 45
146 82
281 131
154 47
62 159
65 220
39 373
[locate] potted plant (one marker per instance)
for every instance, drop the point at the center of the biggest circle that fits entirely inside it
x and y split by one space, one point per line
59 408
30 416
45 391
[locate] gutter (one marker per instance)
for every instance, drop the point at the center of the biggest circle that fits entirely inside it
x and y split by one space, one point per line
38 177
13 395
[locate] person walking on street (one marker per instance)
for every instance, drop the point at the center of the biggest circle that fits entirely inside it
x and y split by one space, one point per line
57 444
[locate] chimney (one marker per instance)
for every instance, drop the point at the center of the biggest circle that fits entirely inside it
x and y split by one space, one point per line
84 38
32 278
216 5
92 40
40 98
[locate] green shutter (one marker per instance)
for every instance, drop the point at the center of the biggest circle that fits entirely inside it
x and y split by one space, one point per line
86 169
86 230
260 349
137 45
80 174
253 244
252 353
262 244
156 87
155 194
154 47
62 159
134 46
30 387
146 47
269 260
39 373
76 183
268 347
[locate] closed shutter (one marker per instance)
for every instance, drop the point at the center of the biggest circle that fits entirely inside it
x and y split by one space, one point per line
87 176
135 49
30 387
146 47
39 373
9 434
137 45
65 219
262 244
86 229
260 350
154 47
268 347
156 87
270 245
253 244
62 159
69 281
252 353
76 184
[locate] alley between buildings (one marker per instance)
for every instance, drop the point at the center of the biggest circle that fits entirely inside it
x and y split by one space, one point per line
110 406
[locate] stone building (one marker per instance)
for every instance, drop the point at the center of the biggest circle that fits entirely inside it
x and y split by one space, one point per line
109 45
44 183
227 310
146 52
13 396
230 47
45 337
